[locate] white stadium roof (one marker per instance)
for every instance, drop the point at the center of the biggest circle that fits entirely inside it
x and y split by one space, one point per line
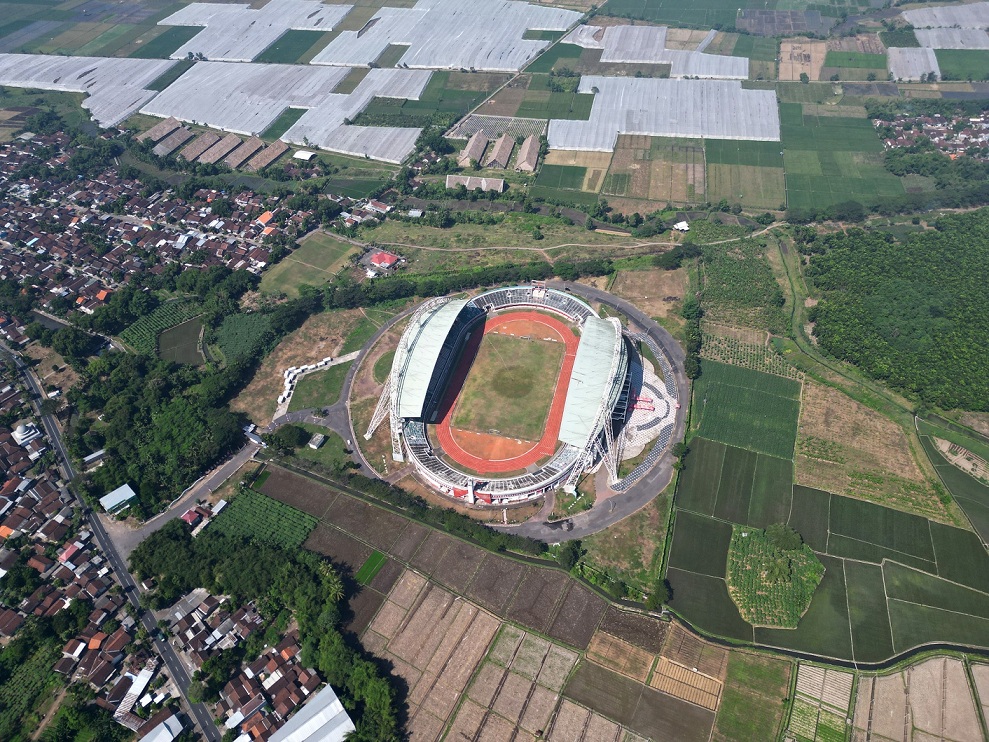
425 342
589 380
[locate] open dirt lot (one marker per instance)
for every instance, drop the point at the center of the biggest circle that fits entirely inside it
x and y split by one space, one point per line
642 631
940 703
655 291
51 368
435 641
320 336
977 420
297 491
846 448
684 39
980 673
802 55
867 43
687 684
620 656
506 101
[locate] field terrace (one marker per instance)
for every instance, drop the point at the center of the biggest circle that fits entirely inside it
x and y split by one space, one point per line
239 33
647 45
255 95
483 35
116 88
716 109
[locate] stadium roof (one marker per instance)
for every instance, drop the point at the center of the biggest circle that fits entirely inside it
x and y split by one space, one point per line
425 343
589 380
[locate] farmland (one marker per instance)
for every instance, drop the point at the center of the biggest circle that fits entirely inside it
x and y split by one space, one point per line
314 262
240 334
254 516
164 44
180 344
290 47
962 64
748 408
142 336
750 707
739 287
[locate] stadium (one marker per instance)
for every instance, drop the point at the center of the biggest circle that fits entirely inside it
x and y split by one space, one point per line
500 398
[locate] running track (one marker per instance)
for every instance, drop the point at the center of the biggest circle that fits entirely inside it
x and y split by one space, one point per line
551 433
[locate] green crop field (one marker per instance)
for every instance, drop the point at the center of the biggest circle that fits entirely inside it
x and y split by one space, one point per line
320 388
370 568
737 152
872 640
163 45
705 603
142 336
971 495
963 64
560 55
748 408
561 176
180 344
558 195
750 707
289 47
856 60
241 333
170 75
510 387
864 521
739 287
542 103
285 121
756 48
254 516
960 556
700 544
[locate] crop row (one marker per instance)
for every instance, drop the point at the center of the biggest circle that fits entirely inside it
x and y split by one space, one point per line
257 517
142 336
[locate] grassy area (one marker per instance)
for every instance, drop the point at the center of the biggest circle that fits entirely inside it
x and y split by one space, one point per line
289 47
332 454
752 706
382 367
510 387
858 60
561 176
359 336
320 388
180 344
560 55
285 121
317 259
371 567
165 44
963 64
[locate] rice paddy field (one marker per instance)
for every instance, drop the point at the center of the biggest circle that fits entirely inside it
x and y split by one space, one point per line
893 580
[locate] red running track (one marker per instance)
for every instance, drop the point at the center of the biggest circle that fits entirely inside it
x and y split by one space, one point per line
547 444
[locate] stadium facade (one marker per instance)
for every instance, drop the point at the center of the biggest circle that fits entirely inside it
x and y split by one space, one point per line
594 411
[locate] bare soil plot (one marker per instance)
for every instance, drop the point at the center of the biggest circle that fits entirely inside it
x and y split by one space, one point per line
655 291
802 56
512 696
468 721
320 336
297 491
378 527
642 631
494 583
980 673
529 656
684 39
51 368
364 606
687 684
689 650
596 164
867 43
535 600
846 448
977 420
431 552
539 709
507 644
387 576
620 656
964 459
678 174
571 720
342 550
940 700
409 541
557 666
458 565
407 589
579 614
884 699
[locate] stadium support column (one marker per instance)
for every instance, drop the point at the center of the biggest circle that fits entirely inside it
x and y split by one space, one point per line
381 411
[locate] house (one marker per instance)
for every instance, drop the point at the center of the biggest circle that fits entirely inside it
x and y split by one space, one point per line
114 502
316 441
474 150
681 227
191 517
528 156
472 183
382 259
501 153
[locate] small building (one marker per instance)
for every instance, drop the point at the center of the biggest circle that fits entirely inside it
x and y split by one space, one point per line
382 259
528 155
25 433
681 227
114 502
304 155
316 441
474 150
191 517
501 153
472 183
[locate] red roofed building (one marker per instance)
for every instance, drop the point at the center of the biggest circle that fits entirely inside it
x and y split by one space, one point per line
382 259
191 517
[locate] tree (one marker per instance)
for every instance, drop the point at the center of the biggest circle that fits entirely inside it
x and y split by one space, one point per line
680 449
804 78
570 554
660 595
783 537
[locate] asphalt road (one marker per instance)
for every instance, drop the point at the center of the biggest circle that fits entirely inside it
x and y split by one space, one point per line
175 668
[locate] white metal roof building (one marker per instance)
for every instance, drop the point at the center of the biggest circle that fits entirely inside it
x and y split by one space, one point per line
322 719
424 359
113 501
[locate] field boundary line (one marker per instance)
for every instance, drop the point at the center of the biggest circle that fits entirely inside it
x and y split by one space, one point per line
945 579
848 608
943 610
888 548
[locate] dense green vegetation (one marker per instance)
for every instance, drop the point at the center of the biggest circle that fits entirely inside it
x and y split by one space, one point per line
277 580
739 287
142 336
772 575
253 516
240 334
910 312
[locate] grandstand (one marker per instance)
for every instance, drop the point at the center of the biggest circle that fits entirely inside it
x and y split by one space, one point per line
598 389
